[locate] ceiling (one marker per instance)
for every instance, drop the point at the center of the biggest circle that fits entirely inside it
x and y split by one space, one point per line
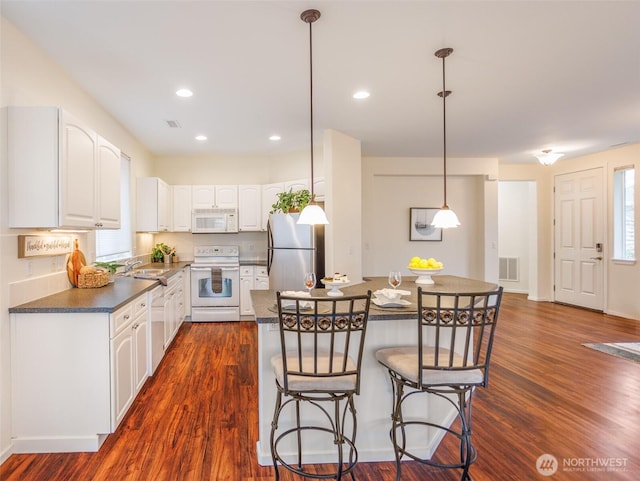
525 75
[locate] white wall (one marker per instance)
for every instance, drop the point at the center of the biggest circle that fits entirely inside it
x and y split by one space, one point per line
391 186
516 226
29 77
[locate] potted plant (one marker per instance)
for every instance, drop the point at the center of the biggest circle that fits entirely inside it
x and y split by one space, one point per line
162 253
291 201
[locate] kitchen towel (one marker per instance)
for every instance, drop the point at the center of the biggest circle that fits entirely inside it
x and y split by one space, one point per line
216 280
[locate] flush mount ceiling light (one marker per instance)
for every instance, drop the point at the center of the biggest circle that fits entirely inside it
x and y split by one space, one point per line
312 213
445 217
274 138
201 138
184 93
361 95
547 157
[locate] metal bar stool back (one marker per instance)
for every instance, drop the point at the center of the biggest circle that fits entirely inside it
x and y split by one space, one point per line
322 341
451 358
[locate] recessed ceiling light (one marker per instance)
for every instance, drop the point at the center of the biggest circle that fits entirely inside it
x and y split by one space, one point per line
184 93
361 94
274 138
201 137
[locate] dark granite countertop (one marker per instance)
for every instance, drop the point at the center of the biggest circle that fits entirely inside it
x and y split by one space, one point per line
264 302
253 262
101 299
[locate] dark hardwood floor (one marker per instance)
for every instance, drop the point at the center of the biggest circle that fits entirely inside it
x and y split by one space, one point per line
196 419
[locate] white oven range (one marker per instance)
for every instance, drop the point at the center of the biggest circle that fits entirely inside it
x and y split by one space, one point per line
215 283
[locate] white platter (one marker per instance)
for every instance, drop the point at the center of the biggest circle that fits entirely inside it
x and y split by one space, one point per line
394 303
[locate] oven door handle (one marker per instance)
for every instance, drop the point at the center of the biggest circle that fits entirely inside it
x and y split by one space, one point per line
225 269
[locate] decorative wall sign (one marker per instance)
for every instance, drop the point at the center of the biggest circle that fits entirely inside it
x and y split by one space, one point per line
44 245
420 228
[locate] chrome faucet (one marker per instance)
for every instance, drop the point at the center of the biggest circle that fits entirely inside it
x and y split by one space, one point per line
129 265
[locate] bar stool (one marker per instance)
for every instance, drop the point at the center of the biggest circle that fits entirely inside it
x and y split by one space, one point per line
322 341
450 359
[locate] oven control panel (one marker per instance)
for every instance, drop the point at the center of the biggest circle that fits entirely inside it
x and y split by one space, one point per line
216 251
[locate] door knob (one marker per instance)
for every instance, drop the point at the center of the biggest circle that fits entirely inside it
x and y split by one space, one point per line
599 258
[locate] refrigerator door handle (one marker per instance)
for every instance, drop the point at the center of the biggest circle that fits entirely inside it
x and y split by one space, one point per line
269 247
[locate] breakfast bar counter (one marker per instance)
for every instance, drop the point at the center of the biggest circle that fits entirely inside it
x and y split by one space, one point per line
388 327
264 302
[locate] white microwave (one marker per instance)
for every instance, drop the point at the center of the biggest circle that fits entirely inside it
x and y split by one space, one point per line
206 221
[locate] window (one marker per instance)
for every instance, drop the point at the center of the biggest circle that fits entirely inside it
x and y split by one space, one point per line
624 213
116 244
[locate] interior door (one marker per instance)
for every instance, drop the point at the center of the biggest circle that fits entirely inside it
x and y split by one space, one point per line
578 238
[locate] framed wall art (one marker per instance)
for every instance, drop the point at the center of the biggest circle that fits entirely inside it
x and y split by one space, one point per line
420 228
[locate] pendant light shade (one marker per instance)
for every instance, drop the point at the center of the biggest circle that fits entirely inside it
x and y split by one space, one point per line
445 217
312 214
548 158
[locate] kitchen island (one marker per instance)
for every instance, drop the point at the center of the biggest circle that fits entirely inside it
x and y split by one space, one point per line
387 327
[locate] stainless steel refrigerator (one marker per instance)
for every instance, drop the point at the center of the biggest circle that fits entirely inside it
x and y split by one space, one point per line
292 251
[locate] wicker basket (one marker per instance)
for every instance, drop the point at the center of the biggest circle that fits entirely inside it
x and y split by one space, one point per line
93 279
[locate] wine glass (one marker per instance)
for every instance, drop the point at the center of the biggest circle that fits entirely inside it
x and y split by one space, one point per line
310 280
395 279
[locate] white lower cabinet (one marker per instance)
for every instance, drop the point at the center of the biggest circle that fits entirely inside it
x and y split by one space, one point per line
74 375
251 278
129 356
174 307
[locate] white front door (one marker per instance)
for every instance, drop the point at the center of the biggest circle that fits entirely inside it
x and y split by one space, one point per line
579 237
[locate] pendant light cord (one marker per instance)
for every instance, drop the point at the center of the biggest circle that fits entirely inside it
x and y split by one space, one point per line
311 100
444 129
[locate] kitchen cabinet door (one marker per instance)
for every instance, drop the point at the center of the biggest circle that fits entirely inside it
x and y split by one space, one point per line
215 196
122 375
226 196
295 185
152 205
249 213
247 277
181 204
77 174
262 279
108 185
140 331
269 197
203 196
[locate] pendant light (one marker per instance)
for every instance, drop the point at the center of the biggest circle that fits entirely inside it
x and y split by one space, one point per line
312 213
445 217
548 158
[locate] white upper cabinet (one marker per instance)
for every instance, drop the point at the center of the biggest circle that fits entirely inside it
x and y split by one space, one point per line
108 187
269 197
295 185
61 173
181 221
249 211
153 209
214 196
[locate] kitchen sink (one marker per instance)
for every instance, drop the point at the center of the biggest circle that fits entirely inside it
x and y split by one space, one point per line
148 273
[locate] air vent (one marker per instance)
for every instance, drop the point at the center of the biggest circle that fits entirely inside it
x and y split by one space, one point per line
508 269
174 124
